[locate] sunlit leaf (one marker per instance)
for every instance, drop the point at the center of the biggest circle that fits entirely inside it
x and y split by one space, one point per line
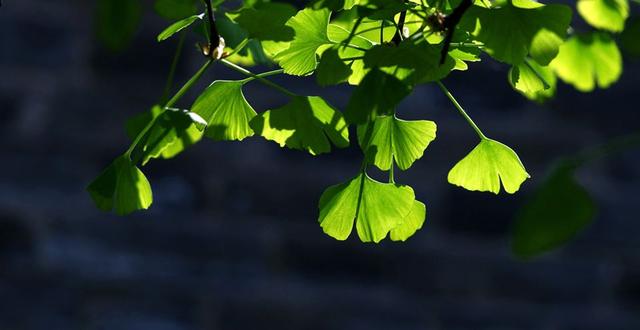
332 70
226 111
604 14
411 223
376 208
310 28
337 34
588 60
517 28
486 166
266 21
536 82
121 187
559 209
388 138
306 123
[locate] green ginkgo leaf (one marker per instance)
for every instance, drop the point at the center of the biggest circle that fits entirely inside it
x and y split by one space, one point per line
388 138
306 123
559 209
376 208
121 187
520 27
337 35
536 82
488 164
178 26
413 63
587 60
310 27
377 95
172 131
604 14
266 21
226 111
411 223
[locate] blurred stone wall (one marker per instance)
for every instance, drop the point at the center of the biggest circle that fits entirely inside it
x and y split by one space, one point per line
232 240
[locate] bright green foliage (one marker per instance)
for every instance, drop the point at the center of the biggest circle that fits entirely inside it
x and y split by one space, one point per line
307 123
413 63
587 60
376 208
117 21
170 133
536 82
378 94
488 164
512 31
604 14
266 21
411 224
365 44
310 28
389 139
560 208
121 187
178 26
175 9
226 111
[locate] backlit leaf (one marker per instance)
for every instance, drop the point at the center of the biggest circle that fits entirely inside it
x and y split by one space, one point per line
266 21
226 111
378 94
332 70
392 139
121 187
411 223
488 164
588 60
306 123
536 82
178 26
310 28
604 14
376 208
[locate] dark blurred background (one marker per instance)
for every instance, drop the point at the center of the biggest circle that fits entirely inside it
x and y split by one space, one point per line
232 239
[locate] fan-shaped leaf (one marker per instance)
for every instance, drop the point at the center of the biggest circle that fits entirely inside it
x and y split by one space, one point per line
411 224
178 26
378 94
604 14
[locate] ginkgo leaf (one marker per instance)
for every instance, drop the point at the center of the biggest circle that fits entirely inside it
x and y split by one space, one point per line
178 26
376 208
388 138
310 28
517 28
488 164
378 94
604 14
558 210
411 223
226 111
338 34
265 21
172 131
332 70
414 63
536 82
121 187
587 60
306 123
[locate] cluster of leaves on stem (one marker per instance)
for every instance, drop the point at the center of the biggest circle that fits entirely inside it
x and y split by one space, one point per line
384 49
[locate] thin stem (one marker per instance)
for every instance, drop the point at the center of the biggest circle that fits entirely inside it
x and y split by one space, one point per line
355 47
461 110
347 59
399 36
382 31
353 32
214 36
239 47
174 65
258 77
262 75
391 169
169 104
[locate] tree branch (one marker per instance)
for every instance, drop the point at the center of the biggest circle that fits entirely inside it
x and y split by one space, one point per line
450 23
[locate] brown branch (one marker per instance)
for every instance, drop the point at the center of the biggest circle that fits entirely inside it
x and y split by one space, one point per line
450 23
